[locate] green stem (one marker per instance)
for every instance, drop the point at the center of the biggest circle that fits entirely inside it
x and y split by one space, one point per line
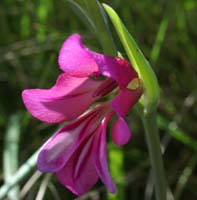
152 136
19 175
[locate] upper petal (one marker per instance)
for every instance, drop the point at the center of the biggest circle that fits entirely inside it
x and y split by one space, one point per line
114 67
77 60
74 59
69 98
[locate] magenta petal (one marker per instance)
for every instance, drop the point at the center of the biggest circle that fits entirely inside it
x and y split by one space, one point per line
61 102
120 132
125 100
77 60
61 146
100 148
79 174
116 68
58 149
74 58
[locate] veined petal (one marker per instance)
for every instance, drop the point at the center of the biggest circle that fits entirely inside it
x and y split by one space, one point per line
61 146
79 174
125 100
58 149
120 132
74 58
100 155
69 98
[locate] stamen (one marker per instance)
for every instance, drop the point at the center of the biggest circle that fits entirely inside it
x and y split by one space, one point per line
105 88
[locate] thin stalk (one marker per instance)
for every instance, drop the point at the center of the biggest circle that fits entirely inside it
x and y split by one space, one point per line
19 175
162 30
29 184
152 136
43 187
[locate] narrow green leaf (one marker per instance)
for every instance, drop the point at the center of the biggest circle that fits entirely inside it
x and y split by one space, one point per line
94 17
183 179
176 133
99 18
82 14
22 172
10 155
159 38
137 59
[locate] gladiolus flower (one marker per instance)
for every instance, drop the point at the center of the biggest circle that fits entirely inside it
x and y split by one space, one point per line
77 153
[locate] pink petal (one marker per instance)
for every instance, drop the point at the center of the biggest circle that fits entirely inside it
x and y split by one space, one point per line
74 59
120 132
116 68
77 60
61 146
125 100
69 98
58 149
100 150
79 174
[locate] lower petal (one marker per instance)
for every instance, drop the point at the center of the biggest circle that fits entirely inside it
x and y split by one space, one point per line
120 132
79 174
100 150
125 100
60 147
57 150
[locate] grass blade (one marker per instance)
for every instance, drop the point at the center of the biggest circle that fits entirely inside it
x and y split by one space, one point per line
10 154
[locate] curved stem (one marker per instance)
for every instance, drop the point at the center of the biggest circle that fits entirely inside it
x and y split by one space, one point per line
152 136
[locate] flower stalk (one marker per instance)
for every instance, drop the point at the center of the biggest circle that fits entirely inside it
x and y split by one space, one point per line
148 102
152 137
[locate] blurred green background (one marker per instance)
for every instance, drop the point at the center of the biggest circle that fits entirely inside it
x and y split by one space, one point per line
31 34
